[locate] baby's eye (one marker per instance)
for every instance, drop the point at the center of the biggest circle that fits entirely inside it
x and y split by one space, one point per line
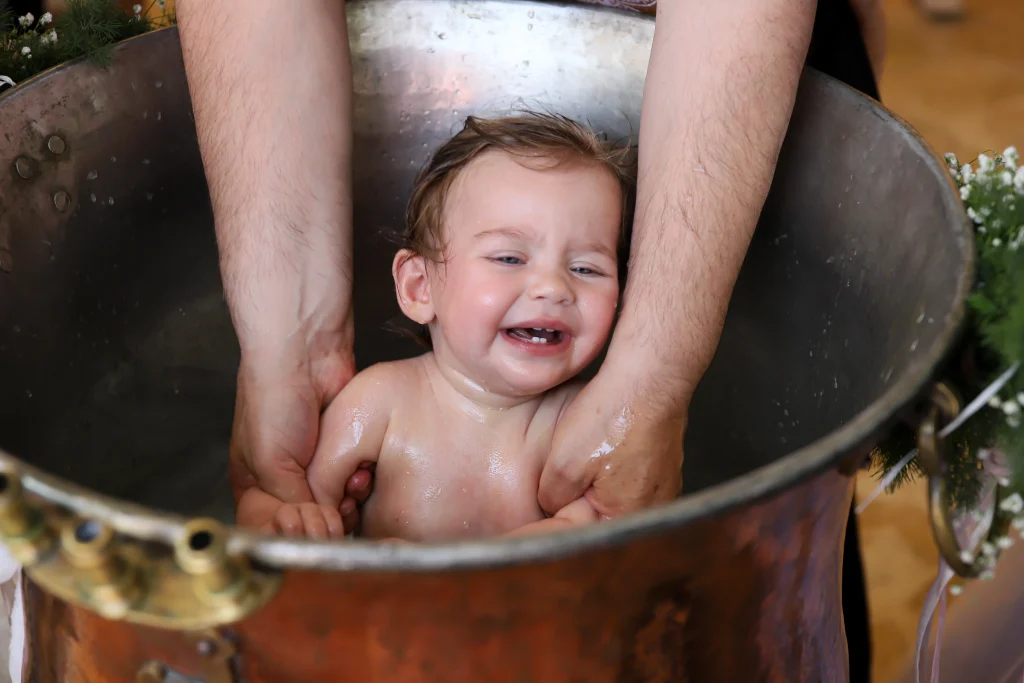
583 270
508 260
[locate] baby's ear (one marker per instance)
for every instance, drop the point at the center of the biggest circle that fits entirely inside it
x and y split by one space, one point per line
412 286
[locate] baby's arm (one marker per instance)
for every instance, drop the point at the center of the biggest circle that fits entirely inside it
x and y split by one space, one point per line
352 432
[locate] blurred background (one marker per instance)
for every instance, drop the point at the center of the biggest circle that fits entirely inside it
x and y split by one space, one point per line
954 70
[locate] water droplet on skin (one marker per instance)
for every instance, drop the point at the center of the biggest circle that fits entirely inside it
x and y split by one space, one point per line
110 201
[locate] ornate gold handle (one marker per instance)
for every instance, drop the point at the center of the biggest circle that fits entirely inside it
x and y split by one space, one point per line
931 453
194 585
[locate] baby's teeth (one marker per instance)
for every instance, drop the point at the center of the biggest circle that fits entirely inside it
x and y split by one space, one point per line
540 340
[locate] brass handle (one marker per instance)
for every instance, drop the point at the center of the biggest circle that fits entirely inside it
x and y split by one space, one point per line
931 453
195 585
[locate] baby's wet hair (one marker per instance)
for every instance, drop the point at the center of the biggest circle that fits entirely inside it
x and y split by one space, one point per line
528 135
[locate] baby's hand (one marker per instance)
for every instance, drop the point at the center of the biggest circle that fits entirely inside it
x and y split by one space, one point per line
307 519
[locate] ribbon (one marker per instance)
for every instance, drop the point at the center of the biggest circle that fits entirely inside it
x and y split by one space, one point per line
969 529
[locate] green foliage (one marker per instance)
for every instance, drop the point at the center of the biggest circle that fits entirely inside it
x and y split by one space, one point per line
86 28
993 195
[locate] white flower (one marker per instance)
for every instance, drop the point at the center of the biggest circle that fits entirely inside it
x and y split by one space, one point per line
986 163
987 575
966 557
997 242
45 19
967 172
1013 504
49 37
26 50
1010 157
1013 422
965 192
1011 407
137 9
951 160
26 20
1007 178
1018 179
994 402
988 549
1004 542
1020 396
973 215
6 80
956 589
1018 523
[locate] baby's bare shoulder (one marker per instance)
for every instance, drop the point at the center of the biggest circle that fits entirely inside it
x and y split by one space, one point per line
388 380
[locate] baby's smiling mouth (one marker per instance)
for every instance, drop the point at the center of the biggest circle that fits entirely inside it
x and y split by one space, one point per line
535 335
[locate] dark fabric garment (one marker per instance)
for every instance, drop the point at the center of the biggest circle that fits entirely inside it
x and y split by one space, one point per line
837 49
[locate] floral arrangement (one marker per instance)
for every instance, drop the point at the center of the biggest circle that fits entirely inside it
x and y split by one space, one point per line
992 190
86 28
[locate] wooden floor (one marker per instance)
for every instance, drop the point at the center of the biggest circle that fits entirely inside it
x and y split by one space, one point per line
961 85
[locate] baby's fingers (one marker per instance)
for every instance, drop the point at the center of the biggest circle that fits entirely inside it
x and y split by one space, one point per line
288 520
314 521
335 525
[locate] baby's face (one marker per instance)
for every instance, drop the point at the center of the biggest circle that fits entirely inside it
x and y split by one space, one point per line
527 294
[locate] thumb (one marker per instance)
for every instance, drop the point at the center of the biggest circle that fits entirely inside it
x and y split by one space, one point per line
285 479
565 476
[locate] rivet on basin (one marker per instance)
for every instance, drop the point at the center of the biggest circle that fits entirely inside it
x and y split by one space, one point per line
24 167
56 144
61 200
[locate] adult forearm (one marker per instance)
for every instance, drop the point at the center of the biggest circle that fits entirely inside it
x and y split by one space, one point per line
719 93
271 91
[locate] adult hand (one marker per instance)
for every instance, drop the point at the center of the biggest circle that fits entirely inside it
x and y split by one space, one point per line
279 400
617 446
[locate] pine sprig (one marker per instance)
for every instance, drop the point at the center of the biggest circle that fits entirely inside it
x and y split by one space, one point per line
86 28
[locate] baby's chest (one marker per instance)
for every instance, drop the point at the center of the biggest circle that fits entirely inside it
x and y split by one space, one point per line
454 491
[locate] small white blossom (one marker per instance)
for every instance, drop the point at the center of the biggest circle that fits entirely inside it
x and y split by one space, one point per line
26 50
966 557
987 575
6 80
994 402
965 192
1013 504
1006 178
997 242
1013 422
1018 179
986 163
988 549
49 37
1018 523
1010 407
967 172
26 20
956 589
137 9
1004 482
1010 157
1020 397
973 215
45 19
1004 542
951 160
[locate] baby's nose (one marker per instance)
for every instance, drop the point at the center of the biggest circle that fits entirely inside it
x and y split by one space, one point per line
552 286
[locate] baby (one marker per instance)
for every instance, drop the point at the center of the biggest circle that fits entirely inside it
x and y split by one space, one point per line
511 267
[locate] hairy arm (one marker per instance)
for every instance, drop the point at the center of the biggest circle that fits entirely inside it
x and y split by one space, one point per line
720 89
271 92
